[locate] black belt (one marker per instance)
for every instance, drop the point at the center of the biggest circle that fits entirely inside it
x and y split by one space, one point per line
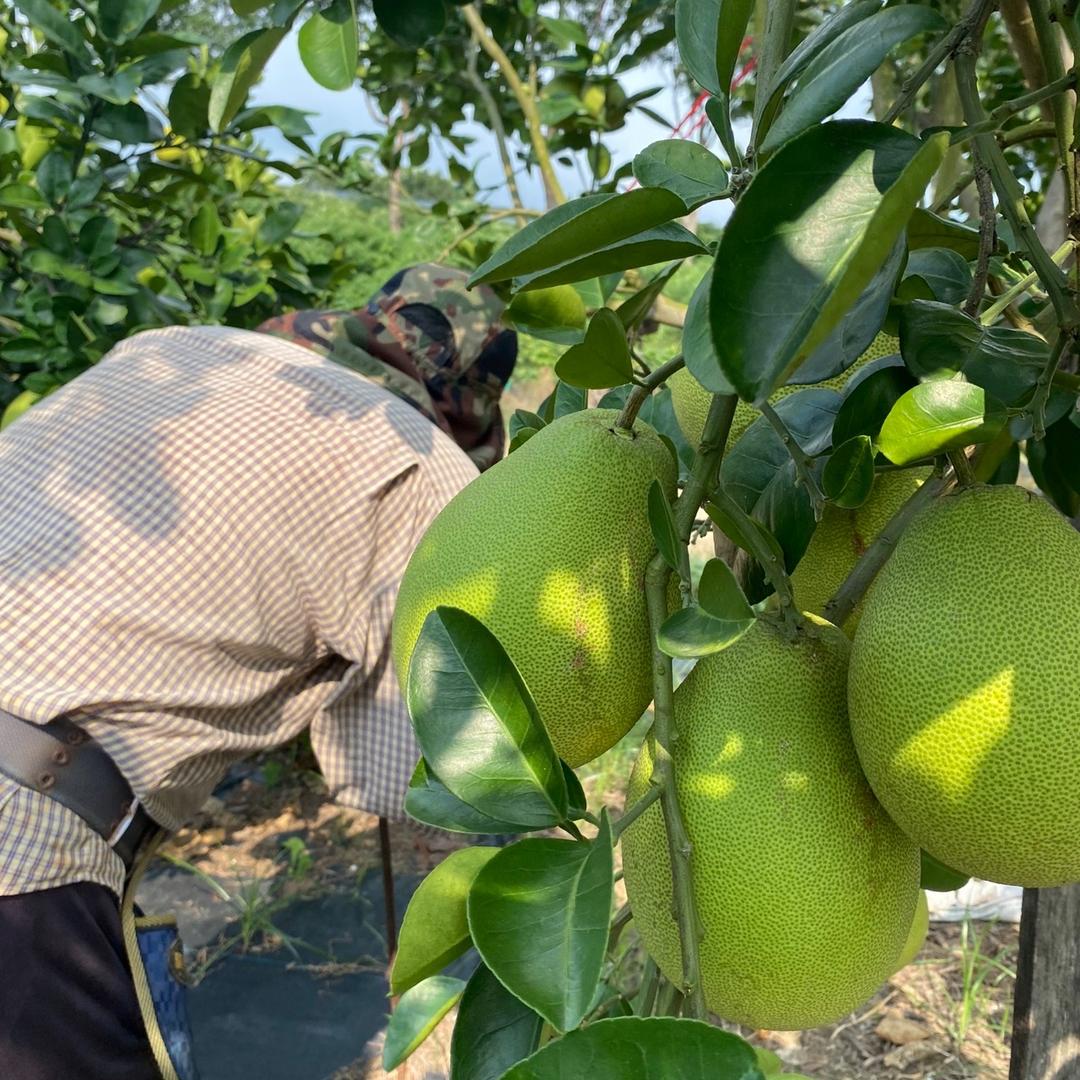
61 760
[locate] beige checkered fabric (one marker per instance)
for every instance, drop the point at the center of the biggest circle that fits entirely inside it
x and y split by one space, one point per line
200 544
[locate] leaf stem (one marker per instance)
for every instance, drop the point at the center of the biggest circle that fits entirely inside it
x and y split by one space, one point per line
1058 88
961 465
619 827
1042 387
803 465
840 607
1014 292
644 388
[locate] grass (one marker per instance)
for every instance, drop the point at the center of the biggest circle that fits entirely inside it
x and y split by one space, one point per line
979 973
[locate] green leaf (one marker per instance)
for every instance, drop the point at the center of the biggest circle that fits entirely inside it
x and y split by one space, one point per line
329 45
660 244
522 418
937 877
120 20
698 349
929 230
662 524
720 617
686 168
768 1062
428 801
54 175
869 401
564 32
416 1015
848 476
578 228
602 359
249 7
280 223
710 35
205 229
640 1047
494 1030
189 103
1055 464
241 66
938 416
119 88
944 272
809 234
435 929
635 309
98 236
556 315
53 24
477 725
126 124
844 65
539 915
411 23
562 401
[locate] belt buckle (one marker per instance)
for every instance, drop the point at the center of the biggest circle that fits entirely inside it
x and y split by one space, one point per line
124 823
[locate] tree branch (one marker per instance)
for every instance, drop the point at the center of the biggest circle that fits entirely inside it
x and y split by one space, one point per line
641 392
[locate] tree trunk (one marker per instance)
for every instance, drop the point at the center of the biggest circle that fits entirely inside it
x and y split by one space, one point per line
1046 1022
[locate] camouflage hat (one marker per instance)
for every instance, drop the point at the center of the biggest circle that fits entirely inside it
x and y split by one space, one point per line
429 340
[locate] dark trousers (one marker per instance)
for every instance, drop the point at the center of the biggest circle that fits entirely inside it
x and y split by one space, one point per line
68 1009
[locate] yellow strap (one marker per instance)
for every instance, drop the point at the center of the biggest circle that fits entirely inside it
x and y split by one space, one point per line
138 971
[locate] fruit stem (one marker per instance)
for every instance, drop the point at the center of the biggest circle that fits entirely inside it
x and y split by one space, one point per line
804 467
644 388
961 464
636 810
840 607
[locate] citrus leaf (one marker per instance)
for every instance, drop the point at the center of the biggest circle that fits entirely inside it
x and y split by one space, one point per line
695 174
602 359
520 438
720 617
869 401
937 416
119 20
929 230
205 229
435 929
848 476
937 877
494 1030
577 228
538 913
944 273
54 175
699 351
710 35
416 1016
809 234
477 725
633 1046
556 314
411 23
329 45
663 526
844 64
635 309
241 66
54 25
719 594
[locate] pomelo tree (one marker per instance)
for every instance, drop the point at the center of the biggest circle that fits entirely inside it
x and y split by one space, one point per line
905 378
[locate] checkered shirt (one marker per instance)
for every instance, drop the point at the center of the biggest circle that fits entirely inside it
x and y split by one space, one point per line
201 540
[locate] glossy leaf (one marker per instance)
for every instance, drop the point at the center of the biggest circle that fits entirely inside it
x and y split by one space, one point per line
866 404
562 401
54 175
416 1015
477 725
1055 464
719 618
602 360
662 524
642 1047
695 174
926 229
844 64
635 309
522 418
945 273
538 913
660 244
938 416
937 877
435 929
53 24
241 66
698 348
848 476
411 23
710 35
577 228
807 237
189 104
126 124
120 20
329 45
205 229
493 1031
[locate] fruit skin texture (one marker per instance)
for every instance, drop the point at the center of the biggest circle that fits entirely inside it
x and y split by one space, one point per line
964 686
691 401
805 888
841 538
920 927
548 549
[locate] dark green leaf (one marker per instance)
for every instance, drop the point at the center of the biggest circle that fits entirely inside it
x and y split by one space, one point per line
578 228
290 122
428 801
54 175
848 476
522 418
120 20
946 273
719 594
602 359
329 43
189 103
53 24
98 236
539 913
562 401
435 929
635 309
686 168
937 877
520 438
564 32
127 124
663 526
416 1015
660 244
719 618
710 35
928 230
807 237
249 7
241 66
119 88
698 349
1055 464
869 401
494 1030
280 223
642 1048
477 725
411 23
938 416
840 68
205 229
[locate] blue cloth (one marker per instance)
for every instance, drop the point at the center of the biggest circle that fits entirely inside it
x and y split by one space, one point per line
159 947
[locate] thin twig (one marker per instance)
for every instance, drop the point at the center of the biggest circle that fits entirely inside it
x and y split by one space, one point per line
803 465
987 234
635 811
641 392
1015 291
476 226
1042 387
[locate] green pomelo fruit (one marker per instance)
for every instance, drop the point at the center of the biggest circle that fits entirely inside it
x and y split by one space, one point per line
691 400
548 549
17 406
965 686
544 309
937 877
920 927
841 538
805 888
